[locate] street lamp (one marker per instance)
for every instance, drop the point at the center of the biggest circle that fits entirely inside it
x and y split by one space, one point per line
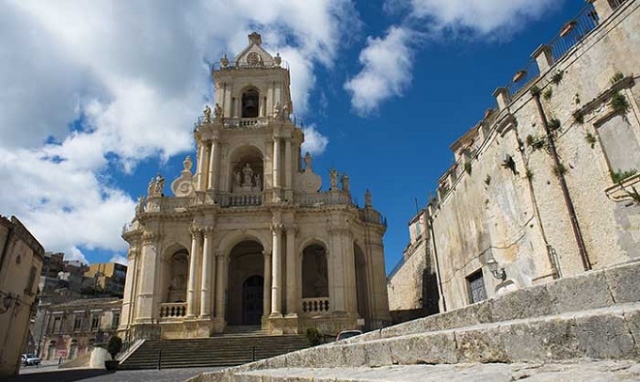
497 271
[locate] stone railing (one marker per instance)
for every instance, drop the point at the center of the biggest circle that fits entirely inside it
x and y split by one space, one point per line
316 305
322 199
369 215
239 199
171 203
245 122
170 310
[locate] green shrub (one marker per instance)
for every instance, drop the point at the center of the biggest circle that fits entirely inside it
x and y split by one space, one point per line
314 336
114 346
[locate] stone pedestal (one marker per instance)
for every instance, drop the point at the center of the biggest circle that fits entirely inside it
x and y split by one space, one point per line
275 324
145 332
291 324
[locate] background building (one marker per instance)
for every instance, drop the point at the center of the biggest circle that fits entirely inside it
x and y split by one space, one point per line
21 259
546 184
249 239
73 328
106 278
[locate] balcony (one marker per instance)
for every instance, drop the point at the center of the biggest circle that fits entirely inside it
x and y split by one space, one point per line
172 310
315 306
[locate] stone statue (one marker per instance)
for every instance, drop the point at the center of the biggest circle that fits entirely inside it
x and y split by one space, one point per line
207 114
367 198
217 111
140 205
248 175
307 162
187 163
159 185
276 110
333 179
345 182
258 182
236 179
151 187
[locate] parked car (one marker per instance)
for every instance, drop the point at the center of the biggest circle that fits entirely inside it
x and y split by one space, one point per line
30 360
348 334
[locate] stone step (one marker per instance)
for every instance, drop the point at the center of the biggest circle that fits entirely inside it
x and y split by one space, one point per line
590 290
214 351
599 371
605 333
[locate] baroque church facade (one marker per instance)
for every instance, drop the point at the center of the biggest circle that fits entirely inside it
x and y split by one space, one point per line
249 238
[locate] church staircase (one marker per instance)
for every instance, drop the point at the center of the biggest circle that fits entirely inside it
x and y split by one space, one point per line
592 316
239 345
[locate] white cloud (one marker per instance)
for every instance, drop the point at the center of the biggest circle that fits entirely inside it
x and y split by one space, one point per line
131 77
118 259
386 73
314 142
480 18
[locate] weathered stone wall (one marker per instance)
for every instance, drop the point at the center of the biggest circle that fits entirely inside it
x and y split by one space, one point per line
503 202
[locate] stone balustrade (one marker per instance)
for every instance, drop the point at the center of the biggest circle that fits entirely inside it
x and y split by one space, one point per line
323 198
315 305
173 310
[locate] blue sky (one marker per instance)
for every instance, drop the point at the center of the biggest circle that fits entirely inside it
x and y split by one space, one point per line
97 97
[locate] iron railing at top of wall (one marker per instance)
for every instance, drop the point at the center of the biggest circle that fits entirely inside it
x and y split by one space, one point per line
568 36
573 32
616 3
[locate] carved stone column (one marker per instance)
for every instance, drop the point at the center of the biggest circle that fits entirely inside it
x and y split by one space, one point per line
200 166
205 290
129 294
288 172
146 304
213 164
276 284
276 168
292 288
336 269
220 286
196 243
266 297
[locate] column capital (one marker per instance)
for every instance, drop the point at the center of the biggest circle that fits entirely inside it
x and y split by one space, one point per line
291 228
150 237
219 254
277 227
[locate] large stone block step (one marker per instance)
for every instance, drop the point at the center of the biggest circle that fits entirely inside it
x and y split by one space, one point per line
589 290
599 371
604 333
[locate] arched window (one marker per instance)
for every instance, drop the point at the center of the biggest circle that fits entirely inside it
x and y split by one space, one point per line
250 103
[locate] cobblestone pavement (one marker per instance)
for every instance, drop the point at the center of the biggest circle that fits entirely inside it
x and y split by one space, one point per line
53 374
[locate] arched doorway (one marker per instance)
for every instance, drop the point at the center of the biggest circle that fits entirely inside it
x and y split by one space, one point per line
252 300
245 284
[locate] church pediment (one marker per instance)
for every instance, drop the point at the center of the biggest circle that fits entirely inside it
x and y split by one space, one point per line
254 55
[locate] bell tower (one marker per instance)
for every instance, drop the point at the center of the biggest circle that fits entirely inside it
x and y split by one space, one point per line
248 150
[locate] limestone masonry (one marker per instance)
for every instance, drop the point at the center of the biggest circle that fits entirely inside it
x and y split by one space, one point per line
546 185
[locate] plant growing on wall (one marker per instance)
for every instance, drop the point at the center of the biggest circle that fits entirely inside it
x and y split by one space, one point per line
529 174
554 124
576 99
535 90
487 180
619 176
467 167
616 77
536 143
578 117
548 92
619 103
557 77
559 170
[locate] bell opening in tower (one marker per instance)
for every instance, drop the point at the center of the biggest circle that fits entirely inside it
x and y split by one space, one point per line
250 103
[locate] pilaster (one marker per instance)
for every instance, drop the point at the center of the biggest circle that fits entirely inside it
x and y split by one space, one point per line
276 266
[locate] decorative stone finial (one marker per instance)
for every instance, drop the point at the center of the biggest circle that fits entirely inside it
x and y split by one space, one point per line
255 38
277 59
224 61
307 162
345 182
367 198
333 179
